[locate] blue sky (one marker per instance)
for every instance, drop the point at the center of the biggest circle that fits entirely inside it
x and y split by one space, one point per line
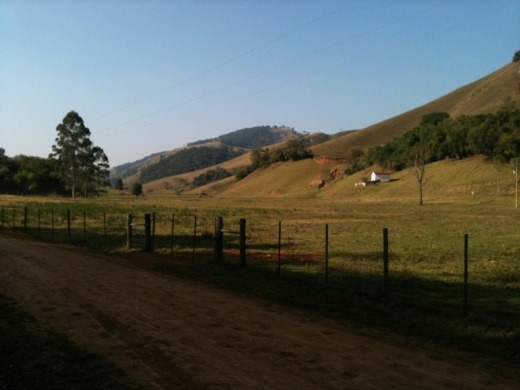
149 76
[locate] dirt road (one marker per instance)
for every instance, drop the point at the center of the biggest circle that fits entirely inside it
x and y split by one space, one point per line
171 333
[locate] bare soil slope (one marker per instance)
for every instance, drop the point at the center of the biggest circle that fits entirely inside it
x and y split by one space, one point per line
171 333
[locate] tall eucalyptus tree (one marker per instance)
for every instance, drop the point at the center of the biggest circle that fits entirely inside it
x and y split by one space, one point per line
79 164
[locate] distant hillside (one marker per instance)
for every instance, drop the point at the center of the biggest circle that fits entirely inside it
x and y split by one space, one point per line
487 95
483 96
471 180
186 182
254 137
187 160
315 139
248 138
183 182
279 179
126 170
332 153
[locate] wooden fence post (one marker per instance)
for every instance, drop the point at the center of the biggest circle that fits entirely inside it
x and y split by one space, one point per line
218 255
385 260
14 216
147 233
25 219
39 221
104 229
173 230
327 254
153 232
84 227
242 242
129 227
465 275
279 246
194 236
52 224
69 234
2 216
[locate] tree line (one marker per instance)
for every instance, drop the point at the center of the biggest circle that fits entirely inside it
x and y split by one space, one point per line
74 166
210 176
126 170
439 136
27 175
250 137
292 150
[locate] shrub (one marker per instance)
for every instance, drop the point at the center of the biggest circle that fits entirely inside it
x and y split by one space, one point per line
137 189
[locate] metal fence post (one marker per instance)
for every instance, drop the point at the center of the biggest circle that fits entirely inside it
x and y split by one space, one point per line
147 233
242 242
465 275
218 255
327 254
129 227
385 260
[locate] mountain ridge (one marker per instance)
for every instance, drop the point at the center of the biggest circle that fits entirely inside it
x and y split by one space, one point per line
485 95
246 138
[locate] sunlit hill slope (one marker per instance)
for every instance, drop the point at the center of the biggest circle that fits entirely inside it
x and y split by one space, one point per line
302 178
483 96
322 176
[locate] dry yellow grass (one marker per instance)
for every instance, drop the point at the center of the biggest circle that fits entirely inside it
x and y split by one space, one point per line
482 96
472 180
173 183
214 188
288 178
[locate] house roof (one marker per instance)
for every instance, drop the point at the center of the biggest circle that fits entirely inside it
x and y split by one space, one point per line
382 173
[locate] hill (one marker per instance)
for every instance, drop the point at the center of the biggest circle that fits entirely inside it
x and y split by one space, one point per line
185 182
483 96
187 160
319 177
254 137
487 95
276 179
126 170
182 182
247 138
471 180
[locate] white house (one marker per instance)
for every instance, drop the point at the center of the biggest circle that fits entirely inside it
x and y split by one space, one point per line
380 176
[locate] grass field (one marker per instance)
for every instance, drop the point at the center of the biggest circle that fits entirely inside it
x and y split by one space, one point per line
425 292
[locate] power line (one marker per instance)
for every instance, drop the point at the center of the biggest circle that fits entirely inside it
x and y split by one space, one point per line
287 63
277 86
226 62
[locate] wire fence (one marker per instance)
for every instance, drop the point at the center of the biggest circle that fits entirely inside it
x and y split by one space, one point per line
285 246
450 284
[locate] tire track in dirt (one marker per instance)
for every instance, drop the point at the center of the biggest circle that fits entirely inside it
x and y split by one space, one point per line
171 333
